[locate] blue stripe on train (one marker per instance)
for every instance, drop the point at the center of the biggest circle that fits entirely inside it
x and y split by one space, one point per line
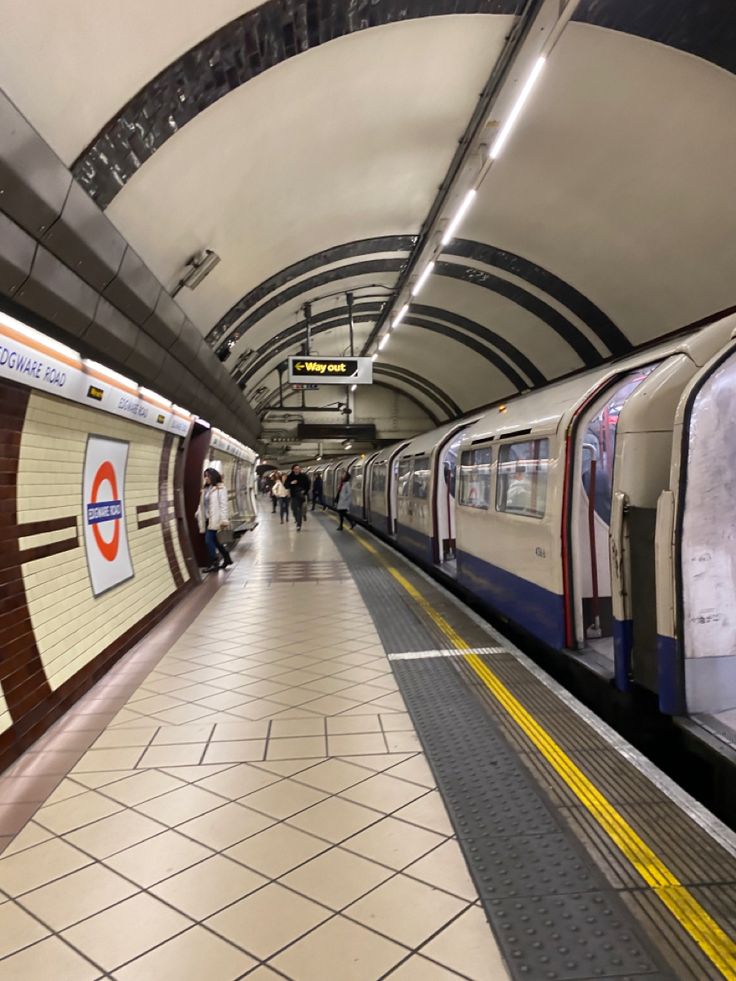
537 610
415 542
623 639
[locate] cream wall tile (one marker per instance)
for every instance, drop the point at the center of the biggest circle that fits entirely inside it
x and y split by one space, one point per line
58 590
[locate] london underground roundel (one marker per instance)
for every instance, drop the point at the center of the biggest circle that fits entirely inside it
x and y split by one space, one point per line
105 534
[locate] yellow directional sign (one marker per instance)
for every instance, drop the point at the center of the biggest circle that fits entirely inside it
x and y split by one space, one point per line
331 371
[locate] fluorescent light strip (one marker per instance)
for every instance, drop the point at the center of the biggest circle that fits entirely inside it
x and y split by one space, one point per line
423 278
374 357
503 135
38 337
400 315
149 393
383 342
353 388
113 375
459 215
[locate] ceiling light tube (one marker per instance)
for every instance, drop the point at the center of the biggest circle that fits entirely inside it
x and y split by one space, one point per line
37 336
459 215
149 393
423 278
383 342
503 135
113 375
353 388
374 356
400 315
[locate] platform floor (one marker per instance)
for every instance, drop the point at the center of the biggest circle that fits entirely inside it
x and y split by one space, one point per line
246 795
260 796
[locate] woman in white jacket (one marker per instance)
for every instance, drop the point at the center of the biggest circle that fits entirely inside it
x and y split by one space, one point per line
213 515
282 495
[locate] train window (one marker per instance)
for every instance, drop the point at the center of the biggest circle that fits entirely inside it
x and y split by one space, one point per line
521 487
475 478
599 443
378 478
420 483
404 479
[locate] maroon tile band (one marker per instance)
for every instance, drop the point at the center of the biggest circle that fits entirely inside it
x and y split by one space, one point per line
22 674
149 522
166 511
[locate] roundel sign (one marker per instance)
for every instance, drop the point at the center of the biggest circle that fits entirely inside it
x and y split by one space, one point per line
105 534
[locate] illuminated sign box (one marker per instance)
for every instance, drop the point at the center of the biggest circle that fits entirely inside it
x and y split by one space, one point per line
330 371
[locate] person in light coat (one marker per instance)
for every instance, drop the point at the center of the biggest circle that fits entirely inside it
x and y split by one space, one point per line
213 515
281 494
343 499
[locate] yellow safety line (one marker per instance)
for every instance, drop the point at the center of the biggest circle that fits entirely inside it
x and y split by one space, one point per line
709 936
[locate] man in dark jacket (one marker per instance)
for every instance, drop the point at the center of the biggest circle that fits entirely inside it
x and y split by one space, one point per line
318 491
297 484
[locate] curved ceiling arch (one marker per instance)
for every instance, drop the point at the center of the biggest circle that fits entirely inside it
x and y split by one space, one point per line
388 385
449 405
563 326
533 373
337 253
367 313
251 44
702 29
518 266
411 379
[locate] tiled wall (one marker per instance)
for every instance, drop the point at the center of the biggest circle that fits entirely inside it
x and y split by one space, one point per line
56 637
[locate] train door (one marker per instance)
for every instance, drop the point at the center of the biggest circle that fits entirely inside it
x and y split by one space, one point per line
368 487
365 490
591 503
705 546
402 482
392 491
445 501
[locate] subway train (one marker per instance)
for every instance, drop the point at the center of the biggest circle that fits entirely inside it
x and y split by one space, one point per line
596 515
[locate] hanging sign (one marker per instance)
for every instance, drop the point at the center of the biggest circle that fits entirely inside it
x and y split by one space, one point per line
105 531
331 371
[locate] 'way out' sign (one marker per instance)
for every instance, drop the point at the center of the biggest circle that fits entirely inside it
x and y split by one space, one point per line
331 371
105 533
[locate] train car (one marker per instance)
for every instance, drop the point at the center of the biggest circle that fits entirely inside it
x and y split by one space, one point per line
381 492
548 480
359 470
425 515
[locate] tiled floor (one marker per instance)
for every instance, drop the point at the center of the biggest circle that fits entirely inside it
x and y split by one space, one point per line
258 805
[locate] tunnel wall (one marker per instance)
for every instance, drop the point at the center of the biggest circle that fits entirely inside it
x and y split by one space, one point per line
62 622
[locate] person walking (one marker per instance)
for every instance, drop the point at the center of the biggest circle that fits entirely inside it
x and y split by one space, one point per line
281 495
318 490
213 515
272 478
297 484
344 499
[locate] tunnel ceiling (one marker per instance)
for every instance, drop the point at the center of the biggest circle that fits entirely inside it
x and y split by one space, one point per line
305 143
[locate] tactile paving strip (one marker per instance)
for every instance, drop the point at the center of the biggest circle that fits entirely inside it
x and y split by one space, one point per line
554 915
586 935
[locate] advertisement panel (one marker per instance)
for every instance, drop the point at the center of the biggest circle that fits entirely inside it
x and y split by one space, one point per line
103 501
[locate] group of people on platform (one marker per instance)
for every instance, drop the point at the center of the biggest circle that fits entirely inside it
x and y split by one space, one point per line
292 491
288 492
